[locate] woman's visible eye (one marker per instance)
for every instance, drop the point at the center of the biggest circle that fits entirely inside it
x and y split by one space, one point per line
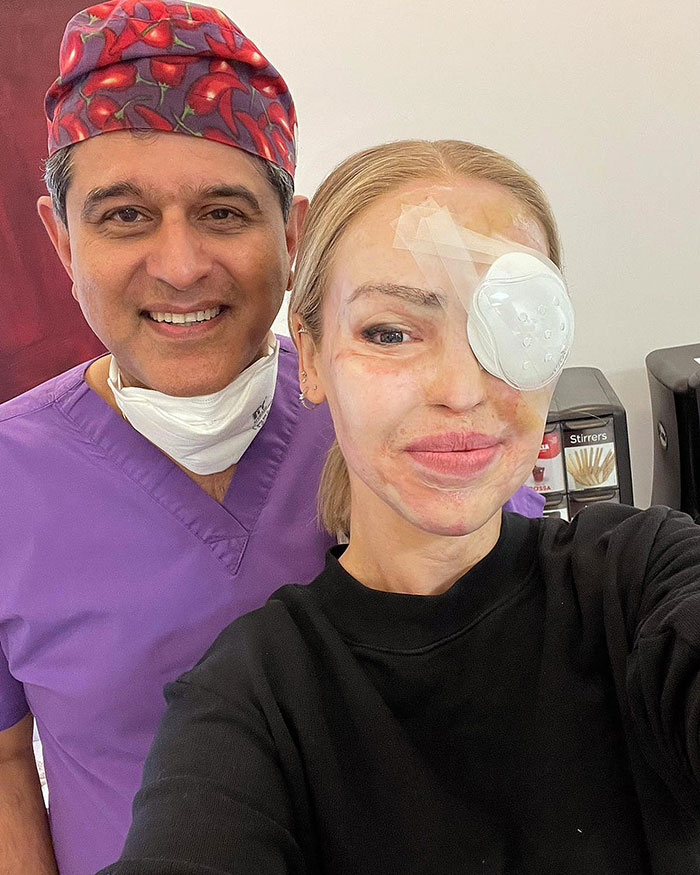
385 335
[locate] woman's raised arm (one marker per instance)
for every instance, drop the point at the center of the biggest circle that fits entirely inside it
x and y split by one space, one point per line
214 799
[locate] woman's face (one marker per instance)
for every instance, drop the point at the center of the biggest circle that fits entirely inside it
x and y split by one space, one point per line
421 425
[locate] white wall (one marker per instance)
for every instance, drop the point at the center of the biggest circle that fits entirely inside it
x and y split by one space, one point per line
598 99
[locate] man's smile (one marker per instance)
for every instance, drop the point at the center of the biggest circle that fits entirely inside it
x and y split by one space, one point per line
178 318
185 323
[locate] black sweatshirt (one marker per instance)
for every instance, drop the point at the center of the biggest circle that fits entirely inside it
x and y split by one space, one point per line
541 717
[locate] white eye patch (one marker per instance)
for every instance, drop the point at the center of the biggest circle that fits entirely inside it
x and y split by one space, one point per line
520 321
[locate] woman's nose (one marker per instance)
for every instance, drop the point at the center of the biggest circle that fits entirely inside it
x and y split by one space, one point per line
178 255
457 380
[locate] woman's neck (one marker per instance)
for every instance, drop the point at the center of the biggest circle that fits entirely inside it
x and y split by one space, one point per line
387 552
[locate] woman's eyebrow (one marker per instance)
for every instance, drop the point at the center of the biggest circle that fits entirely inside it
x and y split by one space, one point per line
407 293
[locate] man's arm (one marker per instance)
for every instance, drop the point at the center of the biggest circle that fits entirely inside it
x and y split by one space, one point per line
25 842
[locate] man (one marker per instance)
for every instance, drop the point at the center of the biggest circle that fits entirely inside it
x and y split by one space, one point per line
153 495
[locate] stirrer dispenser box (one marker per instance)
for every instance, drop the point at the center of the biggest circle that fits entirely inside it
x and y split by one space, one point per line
585 449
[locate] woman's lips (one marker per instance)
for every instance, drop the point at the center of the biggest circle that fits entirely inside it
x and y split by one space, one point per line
457 454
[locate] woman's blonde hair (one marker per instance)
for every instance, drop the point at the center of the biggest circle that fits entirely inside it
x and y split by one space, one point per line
352 187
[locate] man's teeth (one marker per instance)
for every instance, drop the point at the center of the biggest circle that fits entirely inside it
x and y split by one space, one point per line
183 318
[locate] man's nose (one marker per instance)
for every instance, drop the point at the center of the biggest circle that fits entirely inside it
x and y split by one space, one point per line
458 381
178 255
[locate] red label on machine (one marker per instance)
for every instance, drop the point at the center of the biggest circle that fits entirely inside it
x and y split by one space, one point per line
548 473
551 445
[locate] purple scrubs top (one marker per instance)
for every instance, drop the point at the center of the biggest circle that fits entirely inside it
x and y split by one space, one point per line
118 572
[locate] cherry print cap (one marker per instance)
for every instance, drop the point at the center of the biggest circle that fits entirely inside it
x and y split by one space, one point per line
166 66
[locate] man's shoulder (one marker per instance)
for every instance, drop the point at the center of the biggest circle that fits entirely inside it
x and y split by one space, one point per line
248 642
42 398
288 358
286 344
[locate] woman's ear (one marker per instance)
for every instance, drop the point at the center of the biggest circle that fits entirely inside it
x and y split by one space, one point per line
310 383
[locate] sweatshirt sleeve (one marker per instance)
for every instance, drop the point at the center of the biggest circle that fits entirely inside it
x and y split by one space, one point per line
214 799
663 666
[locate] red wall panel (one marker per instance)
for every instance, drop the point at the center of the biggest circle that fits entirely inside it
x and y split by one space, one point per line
42 331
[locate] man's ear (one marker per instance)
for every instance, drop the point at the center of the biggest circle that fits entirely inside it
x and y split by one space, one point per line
310 382
295 223
58 233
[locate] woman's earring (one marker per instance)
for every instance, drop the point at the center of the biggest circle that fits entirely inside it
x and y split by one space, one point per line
304 401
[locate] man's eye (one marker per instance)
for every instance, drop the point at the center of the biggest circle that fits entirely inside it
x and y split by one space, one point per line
385 335
125 215
223 214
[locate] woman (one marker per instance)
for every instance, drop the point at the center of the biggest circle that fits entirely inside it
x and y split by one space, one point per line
461 690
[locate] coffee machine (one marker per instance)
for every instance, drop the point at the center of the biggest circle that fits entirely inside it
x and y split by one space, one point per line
674 385
584 457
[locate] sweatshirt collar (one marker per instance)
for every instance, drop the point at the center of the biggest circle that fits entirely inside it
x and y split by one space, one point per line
399 621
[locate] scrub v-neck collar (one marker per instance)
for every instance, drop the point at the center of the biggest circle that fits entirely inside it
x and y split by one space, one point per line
224 527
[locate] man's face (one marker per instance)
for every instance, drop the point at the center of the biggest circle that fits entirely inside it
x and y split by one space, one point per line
179 256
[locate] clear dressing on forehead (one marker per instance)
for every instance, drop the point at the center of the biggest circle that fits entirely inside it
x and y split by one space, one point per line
520 321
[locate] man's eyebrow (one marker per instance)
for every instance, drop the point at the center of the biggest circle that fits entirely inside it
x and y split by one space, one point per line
239 191
127 189
119 189
407 293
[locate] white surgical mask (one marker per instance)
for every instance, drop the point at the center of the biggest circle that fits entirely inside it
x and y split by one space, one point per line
206 433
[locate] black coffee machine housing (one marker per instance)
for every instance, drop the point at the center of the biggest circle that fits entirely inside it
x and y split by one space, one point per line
585 455
674 385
